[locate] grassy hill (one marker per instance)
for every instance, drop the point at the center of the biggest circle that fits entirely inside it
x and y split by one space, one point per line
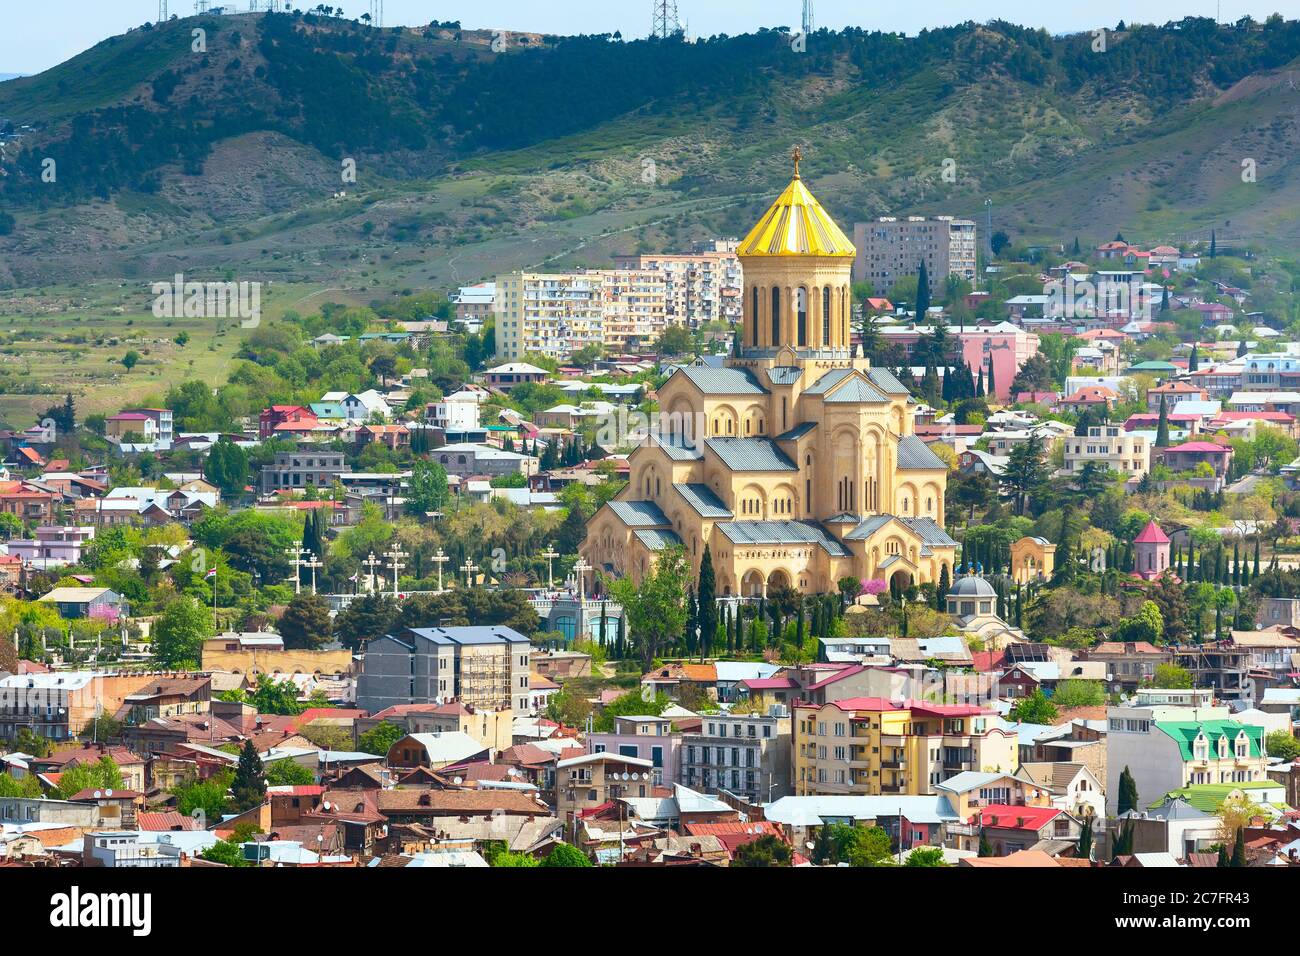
470 161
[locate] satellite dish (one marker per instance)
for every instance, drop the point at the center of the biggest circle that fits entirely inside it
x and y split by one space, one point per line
108 793
456 780
326 806
98 794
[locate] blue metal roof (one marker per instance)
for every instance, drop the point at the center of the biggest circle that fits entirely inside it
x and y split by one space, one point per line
831 378
676 447
704 501
915 455
722 381
803 428
855 391
640 514
494 634
657 540
784 374
887 382
750 454
782 532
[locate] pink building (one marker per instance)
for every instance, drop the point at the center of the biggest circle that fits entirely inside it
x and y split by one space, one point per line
1151 553
1007 346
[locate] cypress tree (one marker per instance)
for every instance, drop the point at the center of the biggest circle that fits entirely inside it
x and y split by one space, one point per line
991 388
1255 574
923 297
249 786
1236 564
707 595
1193 363
1223 863
1128 793
798 631
1162 427
1239 849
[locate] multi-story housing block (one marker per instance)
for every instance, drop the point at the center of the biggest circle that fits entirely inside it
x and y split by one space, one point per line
1109 446
747 755
700 287
645 738
482 667
553 315
297 470
634 308
890 249
870 745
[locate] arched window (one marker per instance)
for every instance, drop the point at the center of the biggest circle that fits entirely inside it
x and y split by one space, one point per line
826 316
776 317
802 317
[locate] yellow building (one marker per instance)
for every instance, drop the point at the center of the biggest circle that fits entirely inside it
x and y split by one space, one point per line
871 746
1032 559
796 462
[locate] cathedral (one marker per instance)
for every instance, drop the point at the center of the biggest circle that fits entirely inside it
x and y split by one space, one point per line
796 462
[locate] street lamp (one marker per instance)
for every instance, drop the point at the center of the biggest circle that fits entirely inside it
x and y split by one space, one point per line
550 554
440 559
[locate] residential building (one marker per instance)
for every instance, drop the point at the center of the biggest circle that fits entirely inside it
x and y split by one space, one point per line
483 667
299 470
1110 447
53 546
1003 347
633 308
134 427
746 755
1129 665
507 376
879 746
1010 829
548 314
646 738
97 603
1168 748
588 781
491 728
890 249
475 303
467 459
699 287
458 412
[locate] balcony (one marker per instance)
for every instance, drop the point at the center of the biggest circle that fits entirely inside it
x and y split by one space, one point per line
898 764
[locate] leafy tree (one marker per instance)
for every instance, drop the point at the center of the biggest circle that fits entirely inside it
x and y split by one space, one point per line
567 856
380 738
1147 625
1282 745
286 773
656 608
180 631
1172 676
1034 709
227 853
767 851
1079 693
227 468
206 795
925 856
306 622
428 490
276 697
249 786
1025 472
366 618
130 359
103 774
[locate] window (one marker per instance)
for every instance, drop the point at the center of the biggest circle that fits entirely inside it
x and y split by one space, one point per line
826 316
776 316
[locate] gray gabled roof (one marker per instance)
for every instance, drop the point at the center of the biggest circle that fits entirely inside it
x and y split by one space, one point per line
640 514
794 434
676 447
930 532
722 381
830 379
887 382
784 374
656 539
750 454
915 455
782 532
844 517
869 527
856 391
704 501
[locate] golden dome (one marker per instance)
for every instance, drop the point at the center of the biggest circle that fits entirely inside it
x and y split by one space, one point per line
796 225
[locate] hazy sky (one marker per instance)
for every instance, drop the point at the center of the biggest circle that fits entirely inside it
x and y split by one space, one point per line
35 36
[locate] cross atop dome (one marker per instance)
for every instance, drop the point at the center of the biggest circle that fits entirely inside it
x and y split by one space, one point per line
797 156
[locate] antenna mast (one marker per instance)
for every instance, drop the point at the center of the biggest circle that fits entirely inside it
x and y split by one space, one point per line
377 13
664 22
162 11
807 17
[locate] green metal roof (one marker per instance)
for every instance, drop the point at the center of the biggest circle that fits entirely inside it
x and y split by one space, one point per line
1208 797
1184 733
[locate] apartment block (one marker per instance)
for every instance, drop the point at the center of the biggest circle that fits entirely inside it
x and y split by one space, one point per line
890 249
872 746
295 471
553 315
1111 447
634 308
700 287
747 755
482 667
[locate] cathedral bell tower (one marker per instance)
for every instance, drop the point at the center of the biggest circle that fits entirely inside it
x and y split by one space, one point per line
798 275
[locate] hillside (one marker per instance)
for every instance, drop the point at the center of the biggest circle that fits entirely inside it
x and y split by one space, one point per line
471 161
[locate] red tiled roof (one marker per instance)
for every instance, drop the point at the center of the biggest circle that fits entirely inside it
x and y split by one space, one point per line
164 821
1201 447
1151 534
733 835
